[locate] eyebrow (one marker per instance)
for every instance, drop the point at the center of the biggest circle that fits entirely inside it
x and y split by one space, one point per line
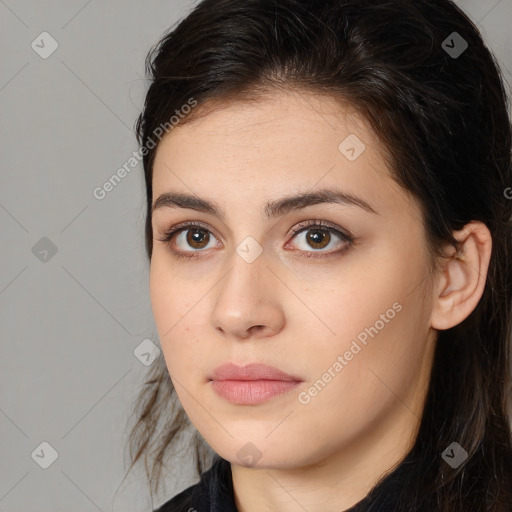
274 208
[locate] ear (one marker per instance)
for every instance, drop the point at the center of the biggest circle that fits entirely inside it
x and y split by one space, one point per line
460 284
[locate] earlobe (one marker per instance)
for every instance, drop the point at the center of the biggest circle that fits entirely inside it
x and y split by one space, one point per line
461 281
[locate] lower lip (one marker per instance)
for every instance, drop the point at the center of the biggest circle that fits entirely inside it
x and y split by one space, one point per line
249 392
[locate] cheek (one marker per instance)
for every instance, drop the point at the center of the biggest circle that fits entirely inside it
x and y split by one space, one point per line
161 288
384 367
177 308
170 292
364 288
374 312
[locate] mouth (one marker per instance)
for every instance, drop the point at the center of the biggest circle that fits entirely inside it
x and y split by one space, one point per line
251 384
251 392
254 371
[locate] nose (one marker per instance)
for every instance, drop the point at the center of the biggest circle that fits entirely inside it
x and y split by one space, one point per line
247 304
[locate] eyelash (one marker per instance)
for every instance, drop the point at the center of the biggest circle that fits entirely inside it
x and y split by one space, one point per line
303 226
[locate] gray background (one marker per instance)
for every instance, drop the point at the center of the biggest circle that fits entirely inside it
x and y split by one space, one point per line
70 321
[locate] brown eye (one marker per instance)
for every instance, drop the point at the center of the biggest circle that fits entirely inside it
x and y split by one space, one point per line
188 240
318 238
197 238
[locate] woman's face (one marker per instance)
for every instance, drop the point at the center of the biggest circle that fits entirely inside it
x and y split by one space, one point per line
349 320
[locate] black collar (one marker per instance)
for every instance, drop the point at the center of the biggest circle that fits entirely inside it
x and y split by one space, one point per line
214 492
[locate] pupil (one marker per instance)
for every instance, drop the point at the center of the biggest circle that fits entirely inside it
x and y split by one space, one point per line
316 237
197 236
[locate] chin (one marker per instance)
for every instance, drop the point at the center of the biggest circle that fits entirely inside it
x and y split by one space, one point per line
261 453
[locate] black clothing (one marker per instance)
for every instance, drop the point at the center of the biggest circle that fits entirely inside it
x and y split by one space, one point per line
214 492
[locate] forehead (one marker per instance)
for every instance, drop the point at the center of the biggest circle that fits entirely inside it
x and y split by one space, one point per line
284 124
275 146
307 112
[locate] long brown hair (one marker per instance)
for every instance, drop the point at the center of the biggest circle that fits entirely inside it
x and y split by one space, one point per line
440 109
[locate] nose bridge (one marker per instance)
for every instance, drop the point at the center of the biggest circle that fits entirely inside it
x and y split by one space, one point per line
247 258
247 294
245 282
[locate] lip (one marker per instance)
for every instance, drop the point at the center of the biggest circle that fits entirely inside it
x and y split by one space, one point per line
254 371
251 384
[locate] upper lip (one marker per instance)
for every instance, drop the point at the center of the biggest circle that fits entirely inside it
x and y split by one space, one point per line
254 371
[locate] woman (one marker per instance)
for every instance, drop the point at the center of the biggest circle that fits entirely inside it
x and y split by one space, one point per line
329 236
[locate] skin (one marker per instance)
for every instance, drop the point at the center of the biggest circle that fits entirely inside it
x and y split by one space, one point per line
296 313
